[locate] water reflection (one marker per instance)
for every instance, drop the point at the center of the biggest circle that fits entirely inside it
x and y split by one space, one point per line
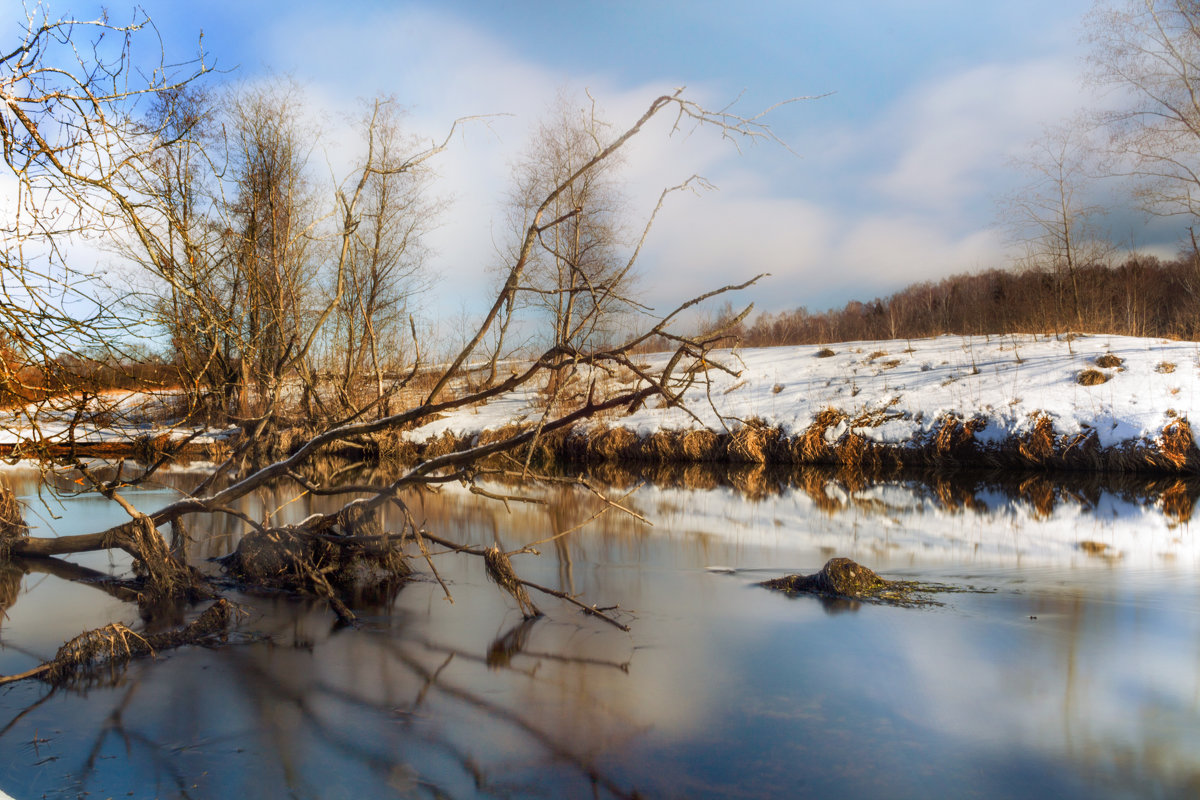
1077 677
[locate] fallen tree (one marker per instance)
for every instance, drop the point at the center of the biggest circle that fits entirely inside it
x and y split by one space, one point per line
70 132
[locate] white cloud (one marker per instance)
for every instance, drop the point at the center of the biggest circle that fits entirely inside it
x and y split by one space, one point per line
901 197
955 136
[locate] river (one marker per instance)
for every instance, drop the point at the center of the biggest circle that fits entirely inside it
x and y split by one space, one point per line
1071 670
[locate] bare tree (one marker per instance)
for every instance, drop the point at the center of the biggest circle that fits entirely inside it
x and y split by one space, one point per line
116 162
576 260
67 138
385 269
1147 53
1051 216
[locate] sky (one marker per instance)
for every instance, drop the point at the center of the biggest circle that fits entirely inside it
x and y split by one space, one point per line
890 175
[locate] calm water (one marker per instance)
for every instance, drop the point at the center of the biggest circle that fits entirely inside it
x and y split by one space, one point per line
1076 674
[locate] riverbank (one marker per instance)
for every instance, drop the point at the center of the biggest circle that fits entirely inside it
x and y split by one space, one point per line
1090 402
1076 402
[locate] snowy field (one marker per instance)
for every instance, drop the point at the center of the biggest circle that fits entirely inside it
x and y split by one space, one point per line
112 417
906 387
892 392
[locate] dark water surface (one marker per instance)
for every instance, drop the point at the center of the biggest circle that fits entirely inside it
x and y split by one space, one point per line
1077 674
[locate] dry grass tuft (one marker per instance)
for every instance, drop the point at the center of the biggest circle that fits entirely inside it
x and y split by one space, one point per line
662 447
877 354
12 522
501 571
1164 367
856 456
1176 445
440 445
1037 446
114 644
1091 377
824 352
700 445
1109 361
811 446
954 440
614 444
390 447
1084 450
746 445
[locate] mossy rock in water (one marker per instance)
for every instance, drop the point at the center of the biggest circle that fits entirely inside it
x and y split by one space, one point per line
844 578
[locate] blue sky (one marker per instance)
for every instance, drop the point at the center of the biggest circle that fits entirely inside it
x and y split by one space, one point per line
894 176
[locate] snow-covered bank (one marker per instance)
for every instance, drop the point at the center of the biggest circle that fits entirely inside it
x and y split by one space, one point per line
1045 398
118 420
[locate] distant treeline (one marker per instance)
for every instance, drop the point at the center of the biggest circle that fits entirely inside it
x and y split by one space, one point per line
24 381
1144 296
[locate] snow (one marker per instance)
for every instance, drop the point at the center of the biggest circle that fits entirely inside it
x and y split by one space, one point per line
910 385
892 392
117 416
